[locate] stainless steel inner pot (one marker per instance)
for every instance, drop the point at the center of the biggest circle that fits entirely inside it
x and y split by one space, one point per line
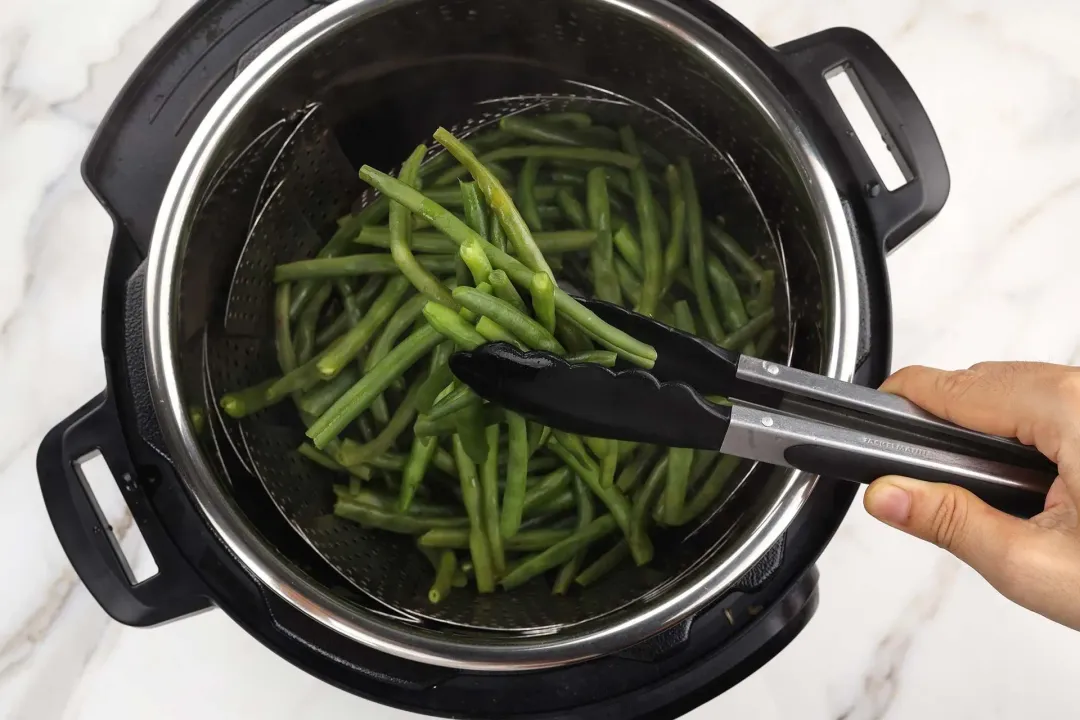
364 80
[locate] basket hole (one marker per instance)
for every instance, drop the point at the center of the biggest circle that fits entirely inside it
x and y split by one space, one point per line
862 115
104 494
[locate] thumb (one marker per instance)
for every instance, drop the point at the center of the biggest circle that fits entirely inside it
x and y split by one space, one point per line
950 517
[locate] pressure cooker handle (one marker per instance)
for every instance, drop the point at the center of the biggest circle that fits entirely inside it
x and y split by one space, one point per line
904 125
131 157
175 591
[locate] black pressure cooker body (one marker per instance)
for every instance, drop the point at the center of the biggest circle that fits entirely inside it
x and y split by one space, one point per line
128 166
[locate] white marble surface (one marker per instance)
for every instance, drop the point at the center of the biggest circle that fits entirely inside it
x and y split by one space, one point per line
903 631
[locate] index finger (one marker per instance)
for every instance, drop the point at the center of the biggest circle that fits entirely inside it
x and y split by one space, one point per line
1036 403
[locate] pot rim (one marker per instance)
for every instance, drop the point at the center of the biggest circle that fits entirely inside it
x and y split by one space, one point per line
491 653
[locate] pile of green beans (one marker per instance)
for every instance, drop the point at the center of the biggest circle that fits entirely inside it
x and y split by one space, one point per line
468 248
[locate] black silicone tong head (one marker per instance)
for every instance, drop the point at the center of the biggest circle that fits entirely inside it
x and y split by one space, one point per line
777 414
589 399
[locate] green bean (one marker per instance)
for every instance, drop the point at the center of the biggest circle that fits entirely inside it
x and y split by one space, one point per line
286 353
489 489
644 499
564 176
598 446
604 564
369 291
391 521
763 296
481 141
750 330
517 465
632 474
417 271
765 341
572 208
733 250
601 259
586 514
242 403
652 257
703 462
684 318
524 541
678 477
523 327
494 332
540 464
633 350
399 423
498 235
433 243
696 240
470 424
361 300
516 229
675 255
381 501
572 336
538 436
526 194
711 488
360 396
399 322
559 503
731 302
476 260
663 222
559 553
453 326
420 456
304 342
542 289
444 577
449 424
609 462
438 377
555 242
612 497
319 458
333 330
505 290
459 398
540 494
197 416
629 249
334 359
578 155
338 245
530 129
347 294
387 461
356 265
576 447
475 208
629 284
596 357
453 197
470 497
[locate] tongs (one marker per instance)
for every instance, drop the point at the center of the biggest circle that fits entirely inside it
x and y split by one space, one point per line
773 413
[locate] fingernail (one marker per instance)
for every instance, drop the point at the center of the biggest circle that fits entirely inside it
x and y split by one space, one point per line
888 503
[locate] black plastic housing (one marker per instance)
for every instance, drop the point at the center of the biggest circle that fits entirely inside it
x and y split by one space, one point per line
128 166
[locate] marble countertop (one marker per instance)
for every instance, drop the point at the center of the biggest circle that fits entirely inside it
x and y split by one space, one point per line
903 630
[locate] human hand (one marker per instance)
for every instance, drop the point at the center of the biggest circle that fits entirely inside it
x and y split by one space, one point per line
1036 562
